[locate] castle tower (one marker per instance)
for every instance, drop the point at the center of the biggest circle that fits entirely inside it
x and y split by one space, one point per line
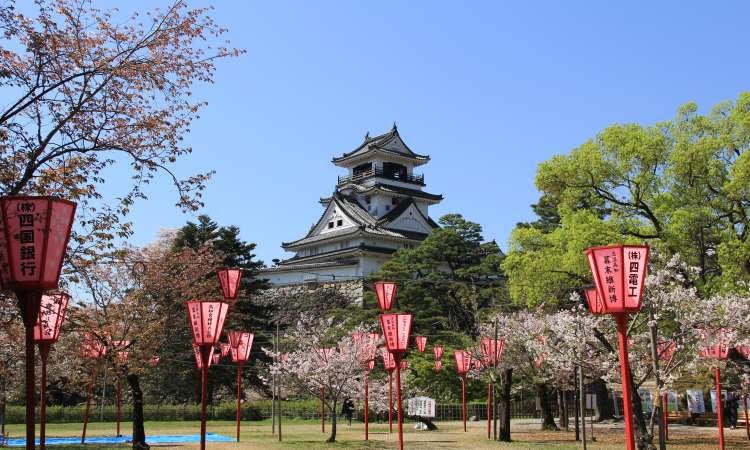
378 207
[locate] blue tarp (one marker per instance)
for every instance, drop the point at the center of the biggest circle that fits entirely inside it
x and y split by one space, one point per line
177 439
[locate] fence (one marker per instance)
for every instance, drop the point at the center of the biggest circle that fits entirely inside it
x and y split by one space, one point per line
252 410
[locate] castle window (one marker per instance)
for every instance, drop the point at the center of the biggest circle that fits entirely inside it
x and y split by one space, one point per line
387 207
330 224
339 223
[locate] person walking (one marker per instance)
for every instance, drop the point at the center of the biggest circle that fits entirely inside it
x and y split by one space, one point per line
347 409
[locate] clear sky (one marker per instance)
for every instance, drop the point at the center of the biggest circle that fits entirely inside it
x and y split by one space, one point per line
487 89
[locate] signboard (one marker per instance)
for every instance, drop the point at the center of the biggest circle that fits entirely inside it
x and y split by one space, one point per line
713 398
673 401
647 401
421 407
695 401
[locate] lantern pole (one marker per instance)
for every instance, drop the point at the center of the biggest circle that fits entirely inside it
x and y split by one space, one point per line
239 387
117 405
87 410
398 402
463 399
622 325
44 348
719 409
205 357
747 422
664 403
29 301
390 401
489 411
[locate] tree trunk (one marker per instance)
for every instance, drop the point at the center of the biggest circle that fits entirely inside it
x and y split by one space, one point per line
332 437
563 407
644 440
603 404
505 406
548 420
139 431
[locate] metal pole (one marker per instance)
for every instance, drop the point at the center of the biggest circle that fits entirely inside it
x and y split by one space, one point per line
43 353
463 400
622 330
398 401
390 401
88 405
30 389
117 406
582 401
489 411
719 409
666 422
239 390
205 355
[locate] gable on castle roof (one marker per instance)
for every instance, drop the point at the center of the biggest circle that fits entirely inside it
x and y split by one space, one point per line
388 143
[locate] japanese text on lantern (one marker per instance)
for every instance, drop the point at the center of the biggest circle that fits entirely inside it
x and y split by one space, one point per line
195 318
26 238
611 270
209 320
634 257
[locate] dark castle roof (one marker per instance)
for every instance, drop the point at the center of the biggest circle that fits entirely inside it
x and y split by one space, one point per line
379 143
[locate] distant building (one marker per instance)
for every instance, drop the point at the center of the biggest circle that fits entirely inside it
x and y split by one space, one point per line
378 207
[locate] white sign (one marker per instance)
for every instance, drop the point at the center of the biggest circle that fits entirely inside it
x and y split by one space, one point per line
421 406
590 401
695 401
713 398
672 401
647 402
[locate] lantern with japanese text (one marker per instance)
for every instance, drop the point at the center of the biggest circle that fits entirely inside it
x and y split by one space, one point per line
438 350
46 333
34 233
206 322
492 350
404 364
215 358
438 365
463 364
92 347
594 301
385 292
421 342
240 344
224 348
396 330
230 282
198 359
619 272
389 364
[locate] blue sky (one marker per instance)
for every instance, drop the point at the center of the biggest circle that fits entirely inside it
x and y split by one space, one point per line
487 89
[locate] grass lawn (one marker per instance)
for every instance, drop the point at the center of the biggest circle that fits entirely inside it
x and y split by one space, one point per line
307 435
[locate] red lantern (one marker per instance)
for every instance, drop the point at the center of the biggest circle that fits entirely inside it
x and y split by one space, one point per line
371 364
463 364
230 282
619 272
386 292
51 316
224 347
492 350
438 365
34 233
463 361
206 321
404 364
438 350
122 350
357 337
215 358
716 346
594 301
389 362
46 332
197 354
91 347
154 361
240 343
666 350
743 350
396 329
421 342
